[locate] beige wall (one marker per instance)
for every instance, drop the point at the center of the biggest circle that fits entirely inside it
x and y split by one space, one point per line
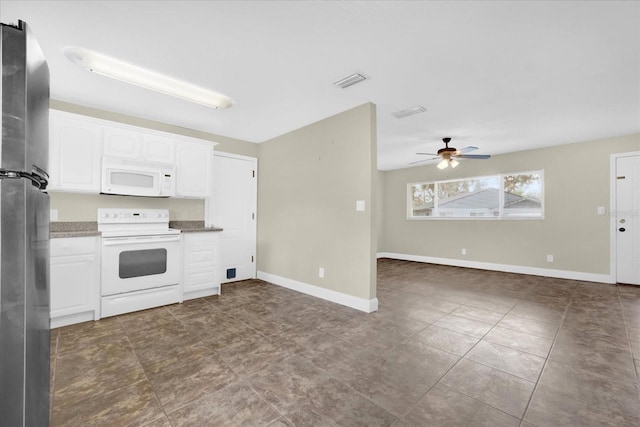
577 181
84 207
309 182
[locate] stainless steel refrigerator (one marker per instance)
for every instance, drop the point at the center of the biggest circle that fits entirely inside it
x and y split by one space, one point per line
24 230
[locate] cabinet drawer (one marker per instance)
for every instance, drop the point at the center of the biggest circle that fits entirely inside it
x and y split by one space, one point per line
200 257
201 238
73 246
200 279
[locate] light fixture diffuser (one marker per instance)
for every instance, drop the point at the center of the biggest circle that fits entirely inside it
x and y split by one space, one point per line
129 73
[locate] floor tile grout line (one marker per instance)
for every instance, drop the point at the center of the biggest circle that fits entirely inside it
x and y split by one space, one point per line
449 370
628 334
146 376
546 361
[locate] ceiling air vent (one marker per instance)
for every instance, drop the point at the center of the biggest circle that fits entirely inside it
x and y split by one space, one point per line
409 112
350 80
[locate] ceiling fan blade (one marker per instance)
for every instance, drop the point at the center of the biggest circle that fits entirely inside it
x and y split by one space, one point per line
467 149
427 154
472 156
420 161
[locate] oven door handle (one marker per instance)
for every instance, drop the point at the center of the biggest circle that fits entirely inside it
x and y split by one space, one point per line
115 241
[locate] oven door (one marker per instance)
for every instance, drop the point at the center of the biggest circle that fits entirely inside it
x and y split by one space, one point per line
141 262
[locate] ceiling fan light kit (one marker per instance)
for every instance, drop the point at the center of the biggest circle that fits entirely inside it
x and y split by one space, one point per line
450 154
129 73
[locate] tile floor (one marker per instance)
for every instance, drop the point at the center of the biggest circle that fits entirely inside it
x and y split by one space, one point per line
448 347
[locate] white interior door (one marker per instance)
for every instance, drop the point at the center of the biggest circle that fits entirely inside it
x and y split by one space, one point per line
235 195
628 219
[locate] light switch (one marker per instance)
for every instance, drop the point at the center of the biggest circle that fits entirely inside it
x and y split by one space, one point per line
53 214
360 205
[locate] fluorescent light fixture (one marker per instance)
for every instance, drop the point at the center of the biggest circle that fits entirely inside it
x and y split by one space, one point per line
409 112
129 73
350 80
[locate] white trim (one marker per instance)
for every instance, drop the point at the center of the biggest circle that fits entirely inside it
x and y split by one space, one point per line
236 156
71 319
361 304
534 271
613 260
201 293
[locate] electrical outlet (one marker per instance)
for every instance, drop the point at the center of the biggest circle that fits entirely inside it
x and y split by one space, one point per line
601 210
549 258
463 251
321 272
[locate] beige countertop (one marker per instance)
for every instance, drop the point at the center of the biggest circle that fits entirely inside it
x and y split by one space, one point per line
73 229
192 226
89 228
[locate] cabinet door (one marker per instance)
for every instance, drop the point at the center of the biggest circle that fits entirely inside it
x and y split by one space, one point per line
75 154
158 149
121 142
193 169
72 284
200 251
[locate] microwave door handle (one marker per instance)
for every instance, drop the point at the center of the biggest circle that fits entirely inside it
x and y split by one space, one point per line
110 241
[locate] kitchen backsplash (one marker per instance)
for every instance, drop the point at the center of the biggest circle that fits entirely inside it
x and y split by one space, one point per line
84 207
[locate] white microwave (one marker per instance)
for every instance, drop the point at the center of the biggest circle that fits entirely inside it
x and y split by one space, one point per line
130 177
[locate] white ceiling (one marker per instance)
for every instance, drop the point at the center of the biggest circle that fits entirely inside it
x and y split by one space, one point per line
503 76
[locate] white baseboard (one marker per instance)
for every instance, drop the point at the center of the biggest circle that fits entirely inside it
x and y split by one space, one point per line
361 304
534 271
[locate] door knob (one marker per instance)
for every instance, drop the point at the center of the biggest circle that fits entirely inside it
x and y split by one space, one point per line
621 229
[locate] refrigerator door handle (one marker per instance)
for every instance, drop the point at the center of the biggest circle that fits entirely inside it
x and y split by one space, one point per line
36 179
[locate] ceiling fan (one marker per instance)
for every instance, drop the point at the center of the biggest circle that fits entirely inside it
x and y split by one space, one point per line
450 154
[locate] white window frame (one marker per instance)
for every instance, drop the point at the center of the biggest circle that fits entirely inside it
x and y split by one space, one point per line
500 217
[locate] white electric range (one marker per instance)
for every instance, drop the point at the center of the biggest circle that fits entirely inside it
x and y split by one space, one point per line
140 260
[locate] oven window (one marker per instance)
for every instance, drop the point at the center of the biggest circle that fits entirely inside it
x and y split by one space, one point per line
144 262
132 179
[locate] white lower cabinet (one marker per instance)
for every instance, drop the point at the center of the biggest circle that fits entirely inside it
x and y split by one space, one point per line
201 260
75 280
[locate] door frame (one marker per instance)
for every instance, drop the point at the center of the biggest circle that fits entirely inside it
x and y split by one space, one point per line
613 244
211 207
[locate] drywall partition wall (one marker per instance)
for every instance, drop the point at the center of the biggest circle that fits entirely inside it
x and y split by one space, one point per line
577 182
309 182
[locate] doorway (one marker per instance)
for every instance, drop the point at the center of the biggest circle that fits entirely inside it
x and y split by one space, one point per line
235 200
625 212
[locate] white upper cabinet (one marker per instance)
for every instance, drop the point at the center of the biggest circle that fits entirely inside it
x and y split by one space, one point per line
75 153
194 162
77 144
121 142
138 144
157 148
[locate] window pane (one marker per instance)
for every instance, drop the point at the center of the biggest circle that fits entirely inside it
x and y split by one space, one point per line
421 199
523 195
469 198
